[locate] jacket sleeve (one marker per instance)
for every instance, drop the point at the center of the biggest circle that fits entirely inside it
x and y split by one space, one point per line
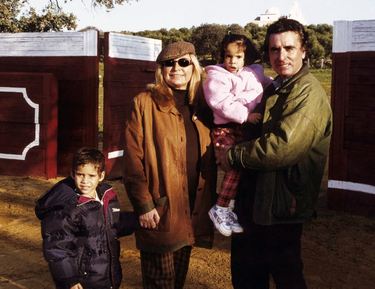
296 132
221 97
129 221
134 177
59 248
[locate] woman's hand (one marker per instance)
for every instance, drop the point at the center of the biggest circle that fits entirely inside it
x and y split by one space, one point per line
77 286
149 220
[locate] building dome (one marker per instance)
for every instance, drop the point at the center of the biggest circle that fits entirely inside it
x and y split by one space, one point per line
273 10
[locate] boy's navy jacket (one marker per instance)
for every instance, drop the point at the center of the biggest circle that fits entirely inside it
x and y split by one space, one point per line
80 235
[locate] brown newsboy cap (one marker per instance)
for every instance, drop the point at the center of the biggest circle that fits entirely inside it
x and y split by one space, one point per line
175 50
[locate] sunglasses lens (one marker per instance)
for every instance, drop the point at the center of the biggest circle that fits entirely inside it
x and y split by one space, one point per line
169 62
183 62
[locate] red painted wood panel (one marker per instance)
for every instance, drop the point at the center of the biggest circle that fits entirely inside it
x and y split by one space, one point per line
78 84
123 80
352 153
22 123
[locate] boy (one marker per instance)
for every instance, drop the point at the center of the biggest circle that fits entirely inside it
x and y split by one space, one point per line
81 223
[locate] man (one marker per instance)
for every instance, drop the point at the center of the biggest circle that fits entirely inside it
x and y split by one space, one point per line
283 162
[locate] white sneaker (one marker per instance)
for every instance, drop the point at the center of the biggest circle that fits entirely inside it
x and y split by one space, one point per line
233 220
220 217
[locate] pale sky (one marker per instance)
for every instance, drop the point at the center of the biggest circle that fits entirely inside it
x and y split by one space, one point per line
157 14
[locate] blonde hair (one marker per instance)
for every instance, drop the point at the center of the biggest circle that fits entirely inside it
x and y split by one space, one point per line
161 87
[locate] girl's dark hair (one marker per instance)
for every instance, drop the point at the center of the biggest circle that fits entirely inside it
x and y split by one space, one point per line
251 53
88 155
285 25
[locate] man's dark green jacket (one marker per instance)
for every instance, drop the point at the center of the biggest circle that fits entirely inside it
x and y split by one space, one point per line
291 153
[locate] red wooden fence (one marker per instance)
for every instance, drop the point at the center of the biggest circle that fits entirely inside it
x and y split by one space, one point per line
28 124
73 58
351 184
129 65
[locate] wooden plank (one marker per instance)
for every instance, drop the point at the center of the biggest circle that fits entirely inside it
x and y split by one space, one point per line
361 98
122 46
78 84
359 203
335 199
29 132
338 156
353 36
124 78
64 68
49 44
361 167
360 130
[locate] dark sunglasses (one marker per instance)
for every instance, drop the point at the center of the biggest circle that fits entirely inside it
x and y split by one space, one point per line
183 62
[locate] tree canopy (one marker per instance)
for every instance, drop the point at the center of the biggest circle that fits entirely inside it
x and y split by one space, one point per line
13 20
207 38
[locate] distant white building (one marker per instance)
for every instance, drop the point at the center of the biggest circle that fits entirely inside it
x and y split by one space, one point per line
273 14
296 14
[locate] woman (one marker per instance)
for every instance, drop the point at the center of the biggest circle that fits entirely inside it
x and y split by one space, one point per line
170 171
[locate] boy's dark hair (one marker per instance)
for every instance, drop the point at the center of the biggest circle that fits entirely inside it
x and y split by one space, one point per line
88 155
285 25
251 53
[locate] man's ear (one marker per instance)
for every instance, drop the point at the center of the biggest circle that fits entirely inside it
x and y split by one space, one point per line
72 174
102 175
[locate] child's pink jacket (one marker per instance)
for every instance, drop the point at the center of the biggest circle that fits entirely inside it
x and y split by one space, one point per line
233 96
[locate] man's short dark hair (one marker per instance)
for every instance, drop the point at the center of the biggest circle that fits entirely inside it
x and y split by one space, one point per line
285 25
89 156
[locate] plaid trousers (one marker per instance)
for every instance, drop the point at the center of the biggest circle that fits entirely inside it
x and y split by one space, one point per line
165 270
228 136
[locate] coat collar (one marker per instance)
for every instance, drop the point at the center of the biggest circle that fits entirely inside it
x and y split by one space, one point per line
288 85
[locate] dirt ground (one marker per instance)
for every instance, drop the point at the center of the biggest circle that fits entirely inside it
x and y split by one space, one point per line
338 248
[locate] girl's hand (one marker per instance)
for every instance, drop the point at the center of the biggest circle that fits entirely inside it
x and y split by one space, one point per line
254 118
77 286
150 219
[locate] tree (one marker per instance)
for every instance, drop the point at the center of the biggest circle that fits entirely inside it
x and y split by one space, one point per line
207 38
256 33
109 4
316 51
50 20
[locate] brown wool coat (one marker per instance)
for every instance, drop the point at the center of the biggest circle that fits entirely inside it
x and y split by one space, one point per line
155 175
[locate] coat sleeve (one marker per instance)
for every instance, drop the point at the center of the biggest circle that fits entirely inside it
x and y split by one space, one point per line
295 134
59 248
129 221
221 97
134 176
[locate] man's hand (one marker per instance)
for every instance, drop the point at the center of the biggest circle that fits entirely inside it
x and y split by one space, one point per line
221 159
254 118
149 220
77 286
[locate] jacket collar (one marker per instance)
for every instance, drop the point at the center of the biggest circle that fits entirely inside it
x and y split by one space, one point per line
286 86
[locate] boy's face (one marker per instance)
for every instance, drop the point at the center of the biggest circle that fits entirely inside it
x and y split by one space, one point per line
86 178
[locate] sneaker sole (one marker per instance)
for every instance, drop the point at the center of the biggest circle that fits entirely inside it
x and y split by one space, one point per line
237 231
223 232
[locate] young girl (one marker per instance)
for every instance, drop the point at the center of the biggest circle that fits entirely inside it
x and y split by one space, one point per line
232 90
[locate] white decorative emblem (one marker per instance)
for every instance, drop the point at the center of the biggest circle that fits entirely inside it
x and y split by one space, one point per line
35 142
